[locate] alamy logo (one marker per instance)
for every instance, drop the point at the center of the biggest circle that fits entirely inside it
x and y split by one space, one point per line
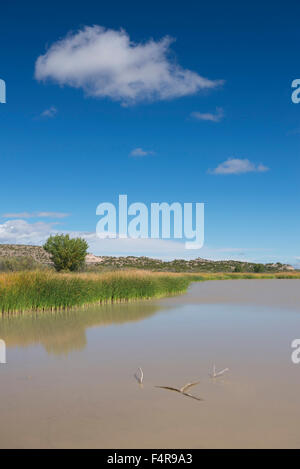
2 92
296 353
163 220
2 351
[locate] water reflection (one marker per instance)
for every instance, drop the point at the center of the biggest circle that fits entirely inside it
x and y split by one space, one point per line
63 332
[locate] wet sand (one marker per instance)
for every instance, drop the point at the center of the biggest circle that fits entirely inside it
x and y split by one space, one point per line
69 378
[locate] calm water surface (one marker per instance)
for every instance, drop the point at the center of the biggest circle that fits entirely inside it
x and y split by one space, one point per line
69 377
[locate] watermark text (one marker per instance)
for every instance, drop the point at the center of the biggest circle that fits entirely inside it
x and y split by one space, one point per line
2 91
161 220
296 353
2 352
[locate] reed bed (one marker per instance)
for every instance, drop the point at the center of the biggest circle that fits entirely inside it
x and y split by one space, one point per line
40 290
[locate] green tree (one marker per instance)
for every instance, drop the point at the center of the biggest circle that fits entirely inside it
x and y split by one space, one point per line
66 253
258 268
238 268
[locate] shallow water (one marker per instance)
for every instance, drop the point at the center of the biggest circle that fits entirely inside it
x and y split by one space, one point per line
69 378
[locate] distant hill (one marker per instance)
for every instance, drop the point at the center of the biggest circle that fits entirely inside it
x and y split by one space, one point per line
37 253
40 257
182 265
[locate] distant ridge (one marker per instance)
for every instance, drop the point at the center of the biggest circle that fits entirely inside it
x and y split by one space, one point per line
39 255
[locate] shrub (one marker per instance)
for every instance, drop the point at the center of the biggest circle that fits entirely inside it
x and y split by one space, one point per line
67 254
258 268
16 264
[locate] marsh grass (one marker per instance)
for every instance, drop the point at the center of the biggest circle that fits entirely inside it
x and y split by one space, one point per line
46 290
35 291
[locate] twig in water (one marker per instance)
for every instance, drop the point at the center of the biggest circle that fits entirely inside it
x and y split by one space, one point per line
216 374
183 390
139 375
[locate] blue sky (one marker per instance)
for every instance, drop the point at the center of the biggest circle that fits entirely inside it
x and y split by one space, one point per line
68 130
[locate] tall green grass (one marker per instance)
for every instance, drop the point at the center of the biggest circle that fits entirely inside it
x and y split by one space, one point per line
33 291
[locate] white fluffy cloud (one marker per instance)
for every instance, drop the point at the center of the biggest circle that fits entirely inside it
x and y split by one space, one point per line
238 166
106 63
212 117
22 232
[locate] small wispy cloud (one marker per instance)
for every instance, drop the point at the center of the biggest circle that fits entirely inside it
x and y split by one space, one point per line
50 113
208 116
53 214
238 166
140 152
36 215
